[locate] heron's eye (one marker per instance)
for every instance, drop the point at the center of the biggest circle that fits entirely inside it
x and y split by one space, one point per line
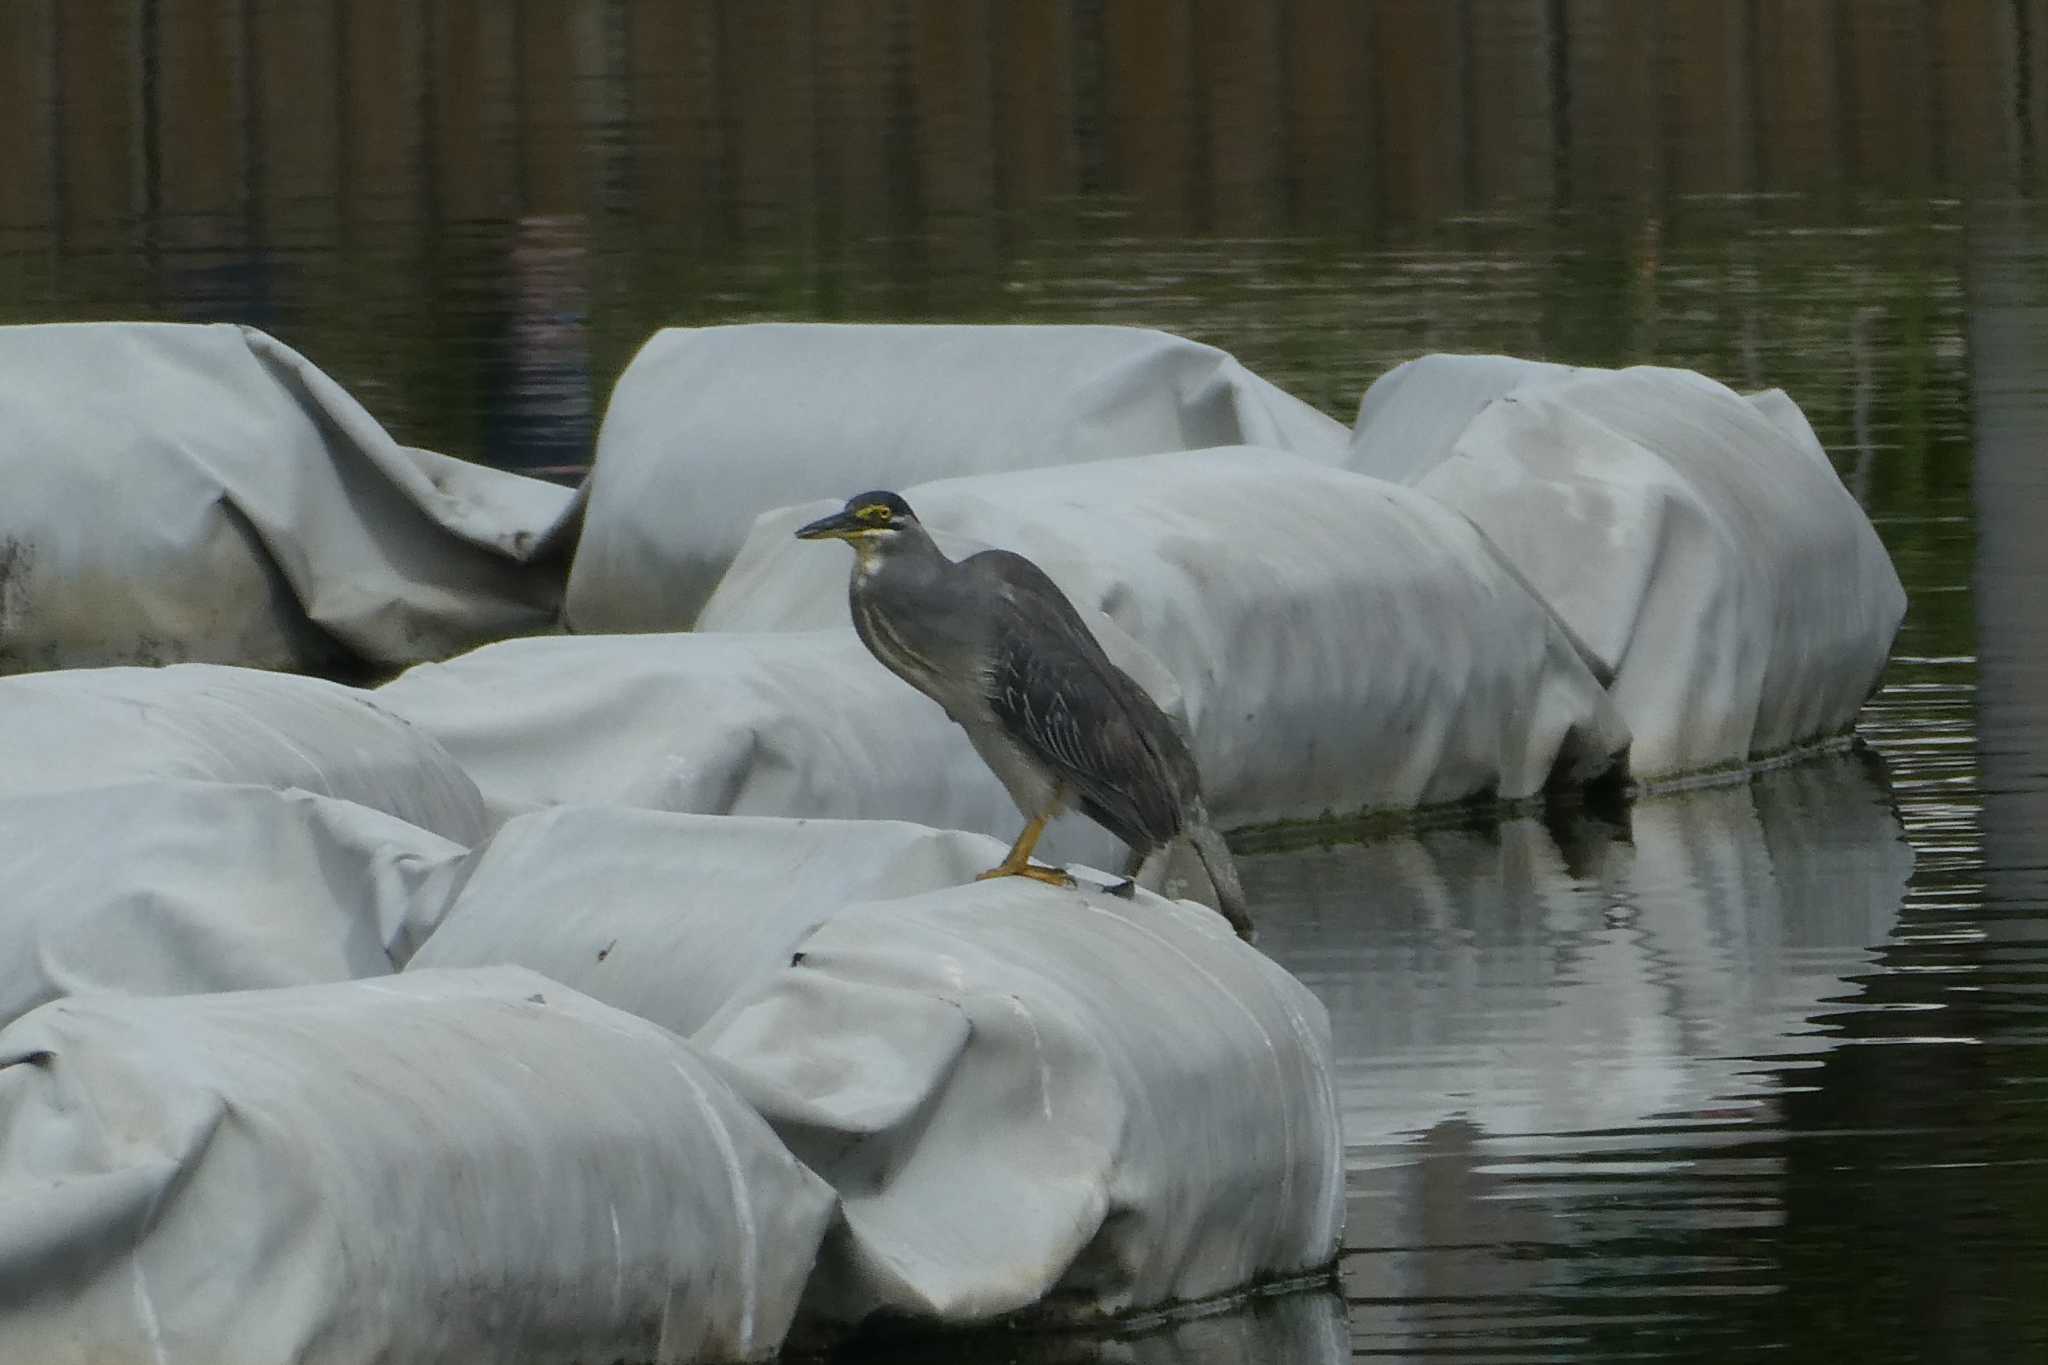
877 512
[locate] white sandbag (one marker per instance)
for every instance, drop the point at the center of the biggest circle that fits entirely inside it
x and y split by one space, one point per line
710 426
435 1167
1493 979
670 915
1415 411
1340 642
1044 1100
1698 543
209 722
185 492
797 724
163 887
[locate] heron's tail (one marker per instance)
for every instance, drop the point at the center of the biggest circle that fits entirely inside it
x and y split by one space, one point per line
1217 862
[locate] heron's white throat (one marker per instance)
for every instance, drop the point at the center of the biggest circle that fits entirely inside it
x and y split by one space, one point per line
867 557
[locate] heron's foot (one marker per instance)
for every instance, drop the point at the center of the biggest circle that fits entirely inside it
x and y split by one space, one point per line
1051 876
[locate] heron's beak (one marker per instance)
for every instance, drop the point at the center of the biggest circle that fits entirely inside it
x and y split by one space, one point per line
838 526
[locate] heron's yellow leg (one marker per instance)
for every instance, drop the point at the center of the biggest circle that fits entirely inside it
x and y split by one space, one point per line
1017 862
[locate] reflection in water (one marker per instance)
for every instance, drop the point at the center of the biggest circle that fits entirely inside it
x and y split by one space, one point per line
1543 1035
1303 1327
543 420
2009 341
1493 978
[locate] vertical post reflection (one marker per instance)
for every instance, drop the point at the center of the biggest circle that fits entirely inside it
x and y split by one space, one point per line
1148 95
2008 333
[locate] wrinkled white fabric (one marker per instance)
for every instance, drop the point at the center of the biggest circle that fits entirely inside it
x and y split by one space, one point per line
1115 1100
1698 543
795 724
1030 1098
439 1166
710 426
1410 416
166 887
1341 643
204 492
210 722
669 915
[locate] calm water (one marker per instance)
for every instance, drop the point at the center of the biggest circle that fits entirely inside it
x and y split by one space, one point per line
1757 1068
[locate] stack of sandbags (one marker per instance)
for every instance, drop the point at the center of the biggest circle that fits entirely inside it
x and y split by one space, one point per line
1026 1098
769 1061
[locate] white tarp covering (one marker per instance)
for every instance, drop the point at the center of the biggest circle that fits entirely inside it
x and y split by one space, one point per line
796 724
710 426
439 1166
209 722
203 492
1339 642
1698 543
1018 1091
1030 1098
164 887
669 915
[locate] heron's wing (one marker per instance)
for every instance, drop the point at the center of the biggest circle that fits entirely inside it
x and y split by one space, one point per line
1056 693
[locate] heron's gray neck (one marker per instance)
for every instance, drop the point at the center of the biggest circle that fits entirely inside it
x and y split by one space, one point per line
907 607
910 553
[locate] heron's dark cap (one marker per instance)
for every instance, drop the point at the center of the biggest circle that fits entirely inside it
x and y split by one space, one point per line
864 514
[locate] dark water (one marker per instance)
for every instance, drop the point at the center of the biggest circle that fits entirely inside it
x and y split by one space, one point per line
1752 1069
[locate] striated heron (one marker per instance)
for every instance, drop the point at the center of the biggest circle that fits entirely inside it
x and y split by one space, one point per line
995 642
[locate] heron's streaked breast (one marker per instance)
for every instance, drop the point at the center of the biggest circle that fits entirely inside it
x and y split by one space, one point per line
892 648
